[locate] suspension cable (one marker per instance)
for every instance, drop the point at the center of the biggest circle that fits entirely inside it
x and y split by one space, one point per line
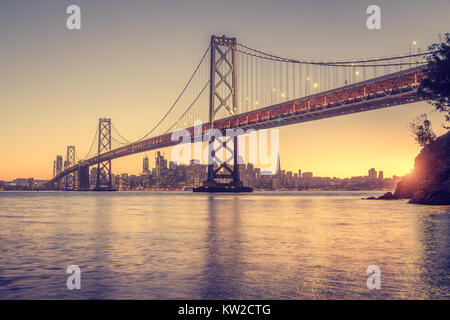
192 104
329 63
92 144
115 129
353 65
179 96
119 142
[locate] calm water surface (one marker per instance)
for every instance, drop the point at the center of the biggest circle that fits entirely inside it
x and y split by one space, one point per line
265 245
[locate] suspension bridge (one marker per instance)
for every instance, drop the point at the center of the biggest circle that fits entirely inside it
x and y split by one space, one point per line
236 86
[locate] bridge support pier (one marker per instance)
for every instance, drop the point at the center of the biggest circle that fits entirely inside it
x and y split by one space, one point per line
83 179
104 179
57 185
223 89
224 171
70 179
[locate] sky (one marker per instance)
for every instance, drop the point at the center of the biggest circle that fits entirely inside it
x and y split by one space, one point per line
131 58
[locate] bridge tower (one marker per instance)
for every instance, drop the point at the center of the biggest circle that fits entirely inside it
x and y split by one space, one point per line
104 181
223 97
69 180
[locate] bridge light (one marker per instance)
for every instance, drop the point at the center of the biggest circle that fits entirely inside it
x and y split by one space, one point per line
282 94
274 89
410 52
315 85
307 78
256 102
357 73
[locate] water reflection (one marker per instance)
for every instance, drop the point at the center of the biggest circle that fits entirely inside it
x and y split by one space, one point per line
140 245
434 258
223 274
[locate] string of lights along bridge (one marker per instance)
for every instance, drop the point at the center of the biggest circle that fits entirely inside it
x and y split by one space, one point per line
237 86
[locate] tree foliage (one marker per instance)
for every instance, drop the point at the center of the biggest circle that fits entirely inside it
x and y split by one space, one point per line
436 88
422 131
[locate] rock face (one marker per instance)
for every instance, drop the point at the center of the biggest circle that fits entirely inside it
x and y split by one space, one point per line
429 182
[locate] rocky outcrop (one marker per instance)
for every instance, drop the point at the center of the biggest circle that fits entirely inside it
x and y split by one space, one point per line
386 196
429 182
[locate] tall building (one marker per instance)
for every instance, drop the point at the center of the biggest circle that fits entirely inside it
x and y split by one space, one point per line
172 165
145 165
276 182
160 164
59 164
380 175
93 176
373 174
307 175
288 179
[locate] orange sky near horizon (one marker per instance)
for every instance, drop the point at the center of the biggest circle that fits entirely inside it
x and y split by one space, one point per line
128 63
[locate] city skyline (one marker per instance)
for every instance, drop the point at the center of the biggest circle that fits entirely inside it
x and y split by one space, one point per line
161 164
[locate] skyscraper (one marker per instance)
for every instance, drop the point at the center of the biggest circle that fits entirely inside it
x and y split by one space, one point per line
373 174
59 164
277 168
145 165
160 163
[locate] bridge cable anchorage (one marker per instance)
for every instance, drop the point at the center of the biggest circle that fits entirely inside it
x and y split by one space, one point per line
179 96
264 55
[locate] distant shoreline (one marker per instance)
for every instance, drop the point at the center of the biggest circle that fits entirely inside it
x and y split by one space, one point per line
180 190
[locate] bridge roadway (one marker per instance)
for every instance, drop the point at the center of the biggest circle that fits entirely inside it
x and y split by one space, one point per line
381 92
